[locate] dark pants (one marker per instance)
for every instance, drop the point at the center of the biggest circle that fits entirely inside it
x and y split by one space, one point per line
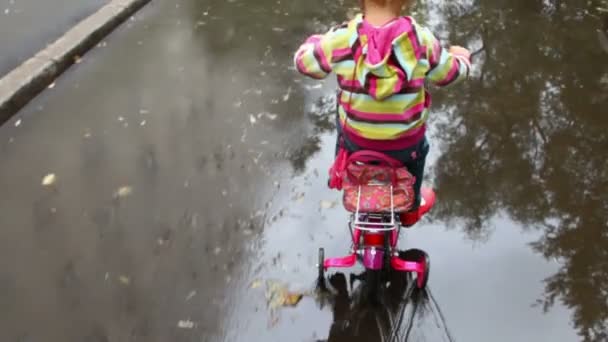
413 158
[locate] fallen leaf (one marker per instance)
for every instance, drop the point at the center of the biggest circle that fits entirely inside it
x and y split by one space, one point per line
124 280
327 204
187 324
278 295
299 197
316 86
123 191
269 116
287 95
49 179
244 136
190 295
292 299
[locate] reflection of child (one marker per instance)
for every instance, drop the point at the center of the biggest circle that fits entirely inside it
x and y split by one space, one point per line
382 60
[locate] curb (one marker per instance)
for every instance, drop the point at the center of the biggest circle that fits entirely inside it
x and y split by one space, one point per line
29 79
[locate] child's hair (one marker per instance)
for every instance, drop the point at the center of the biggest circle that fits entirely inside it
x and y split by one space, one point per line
387 2
397 4
383 2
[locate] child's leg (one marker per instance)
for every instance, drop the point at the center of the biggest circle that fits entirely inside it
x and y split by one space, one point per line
416 167
413 159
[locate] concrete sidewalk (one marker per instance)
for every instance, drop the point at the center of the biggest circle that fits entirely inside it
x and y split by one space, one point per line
27 26
185 118
23 83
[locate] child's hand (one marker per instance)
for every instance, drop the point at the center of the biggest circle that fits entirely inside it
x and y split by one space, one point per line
460 51
314 38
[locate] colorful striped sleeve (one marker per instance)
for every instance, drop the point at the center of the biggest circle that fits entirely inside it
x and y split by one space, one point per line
445 68
315 57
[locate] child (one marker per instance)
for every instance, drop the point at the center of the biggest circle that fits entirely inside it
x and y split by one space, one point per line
382 60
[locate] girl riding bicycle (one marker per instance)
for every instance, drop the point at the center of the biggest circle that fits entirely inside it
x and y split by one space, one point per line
382 61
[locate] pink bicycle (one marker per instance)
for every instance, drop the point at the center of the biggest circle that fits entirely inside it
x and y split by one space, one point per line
377 191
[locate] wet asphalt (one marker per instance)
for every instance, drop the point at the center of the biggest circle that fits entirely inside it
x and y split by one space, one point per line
190 168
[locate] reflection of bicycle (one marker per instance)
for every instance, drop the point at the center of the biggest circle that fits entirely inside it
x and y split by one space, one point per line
376 190
357 319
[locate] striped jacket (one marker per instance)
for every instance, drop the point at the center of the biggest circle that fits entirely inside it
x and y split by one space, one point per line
382 101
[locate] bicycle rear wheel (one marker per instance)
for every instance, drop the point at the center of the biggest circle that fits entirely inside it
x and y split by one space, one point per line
373 285
418 255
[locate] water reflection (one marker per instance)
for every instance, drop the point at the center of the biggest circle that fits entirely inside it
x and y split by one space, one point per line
401 307
526 137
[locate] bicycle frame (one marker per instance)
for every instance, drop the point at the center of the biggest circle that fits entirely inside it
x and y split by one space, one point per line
374 244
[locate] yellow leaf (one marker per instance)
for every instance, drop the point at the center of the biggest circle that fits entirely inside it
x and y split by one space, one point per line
124 280
49 179
124 191
292 299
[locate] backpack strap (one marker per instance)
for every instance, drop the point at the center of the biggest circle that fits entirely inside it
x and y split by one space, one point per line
336 172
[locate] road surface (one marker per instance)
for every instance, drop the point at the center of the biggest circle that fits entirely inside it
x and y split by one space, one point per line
190 160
